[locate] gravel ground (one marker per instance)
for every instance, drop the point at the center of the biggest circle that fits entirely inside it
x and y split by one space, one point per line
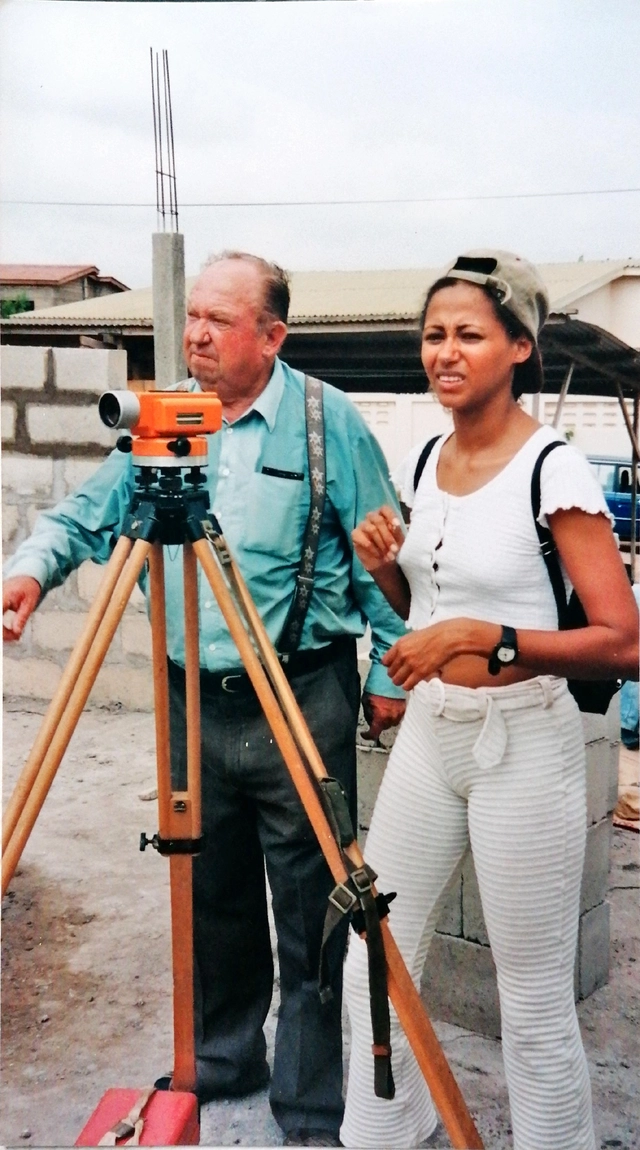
86 963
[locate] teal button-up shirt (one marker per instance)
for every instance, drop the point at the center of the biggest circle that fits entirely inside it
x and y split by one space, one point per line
263 518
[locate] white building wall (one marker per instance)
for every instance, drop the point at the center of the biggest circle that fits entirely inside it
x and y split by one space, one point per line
594 424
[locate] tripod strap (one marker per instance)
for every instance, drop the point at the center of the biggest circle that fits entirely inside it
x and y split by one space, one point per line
316 455
355 897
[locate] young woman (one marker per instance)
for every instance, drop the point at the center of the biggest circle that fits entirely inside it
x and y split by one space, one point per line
491 751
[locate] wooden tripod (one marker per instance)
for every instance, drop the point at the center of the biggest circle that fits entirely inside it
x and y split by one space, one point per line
182 516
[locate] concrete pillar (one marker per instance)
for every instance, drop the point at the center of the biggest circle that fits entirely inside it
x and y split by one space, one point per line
168 307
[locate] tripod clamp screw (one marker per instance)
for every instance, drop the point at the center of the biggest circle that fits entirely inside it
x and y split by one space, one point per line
148 842
172 846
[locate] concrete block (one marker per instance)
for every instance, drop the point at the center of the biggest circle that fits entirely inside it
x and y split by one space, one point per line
450 921
594 727
8 420
89 369
459 985
30 678
24 367
612 720
593 950
33 511
595 874
370 765
10 518
598 771
612 777
473 925
77 471
57 630
25 475
77 425
132 687
136 635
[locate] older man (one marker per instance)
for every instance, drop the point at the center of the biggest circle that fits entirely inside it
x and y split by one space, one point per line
260 491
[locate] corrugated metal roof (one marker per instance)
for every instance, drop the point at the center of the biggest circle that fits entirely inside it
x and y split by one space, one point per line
326 297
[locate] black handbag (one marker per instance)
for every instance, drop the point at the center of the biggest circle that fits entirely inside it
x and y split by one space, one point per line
591 695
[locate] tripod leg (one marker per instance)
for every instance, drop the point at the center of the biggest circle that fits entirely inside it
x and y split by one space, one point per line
273 713
406 1000
77 699
59 701
178 812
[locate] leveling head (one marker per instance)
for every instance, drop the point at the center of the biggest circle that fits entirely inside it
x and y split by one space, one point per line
168 427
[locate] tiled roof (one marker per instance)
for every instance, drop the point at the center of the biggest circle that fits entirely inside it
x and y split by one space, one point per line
45 274
334 297
52 275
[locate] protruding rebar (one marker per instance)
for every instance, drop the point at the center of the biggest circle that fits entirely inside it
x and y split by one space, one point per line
166 187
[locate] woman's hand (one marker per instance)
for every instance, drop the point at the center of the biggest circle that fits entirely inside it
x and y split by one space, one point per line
423 654
378 539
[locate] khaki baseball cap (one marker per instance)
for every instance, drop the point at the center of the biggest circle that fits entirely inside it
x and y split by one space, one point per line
518 287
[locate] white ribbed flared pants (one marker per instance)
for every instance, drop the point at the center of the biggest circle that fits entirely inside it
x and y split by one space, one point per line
501 769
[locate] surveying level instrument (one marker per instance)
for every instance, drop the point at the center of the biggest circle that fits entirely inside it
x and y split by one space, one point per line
170 506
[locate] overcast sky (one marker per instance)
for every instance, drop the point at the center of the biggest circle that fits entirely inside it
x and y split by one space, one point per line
436 101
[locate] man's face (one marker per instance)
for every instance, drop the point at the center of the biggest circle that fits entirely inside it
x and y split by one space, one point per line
225 345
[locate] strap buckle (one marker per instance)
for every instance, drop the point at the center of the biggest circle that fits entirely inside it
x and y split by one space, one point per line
361 880
342 898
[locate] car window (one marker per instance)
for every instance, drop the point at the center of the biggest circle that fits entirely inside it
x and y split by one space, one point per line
606 473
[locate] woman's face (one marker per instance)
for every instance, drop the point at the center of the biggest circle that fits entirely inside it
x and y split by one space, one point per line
467 355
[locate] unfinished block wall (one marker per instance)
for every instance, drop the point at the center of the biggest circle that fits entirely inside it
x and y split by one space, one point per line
52 441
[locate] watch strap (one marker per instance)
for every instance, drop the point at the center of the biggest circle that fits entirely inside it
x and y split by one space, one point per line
507 639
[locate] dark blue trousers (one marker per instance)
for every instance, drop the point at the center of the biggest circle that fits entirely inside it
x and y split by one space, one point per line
252 815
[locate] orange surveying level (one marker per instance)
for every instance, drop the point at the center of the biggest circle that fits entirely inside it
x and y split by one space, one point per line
166 426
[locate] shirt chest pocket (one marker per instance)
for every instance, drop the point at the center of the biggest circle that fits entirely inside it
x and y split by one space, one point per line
276 515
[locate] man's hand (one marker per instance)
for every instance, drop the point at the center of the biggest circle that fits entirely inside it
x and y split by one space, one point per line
20 594
381 713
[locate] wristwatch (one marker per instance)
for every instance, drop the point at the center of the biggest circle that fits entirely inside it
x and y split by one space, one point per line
505 652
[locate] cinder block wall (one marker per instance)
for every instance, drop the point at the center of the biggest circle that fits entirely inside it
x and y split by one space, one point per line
52 441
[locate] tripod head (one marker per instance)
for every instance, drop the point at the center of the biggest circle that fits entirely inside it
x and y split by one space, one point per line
168 427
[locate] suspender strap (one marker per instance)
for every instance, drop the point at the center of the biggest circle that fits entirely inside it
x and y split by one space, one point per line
547 545
314 411
424 455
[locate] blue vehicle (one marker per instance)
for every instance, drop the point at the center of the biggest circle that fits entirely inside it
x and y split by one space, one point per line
615 478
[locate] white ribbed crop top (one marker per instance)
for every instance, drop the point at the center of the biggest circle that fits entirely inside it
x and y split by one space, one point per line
478 555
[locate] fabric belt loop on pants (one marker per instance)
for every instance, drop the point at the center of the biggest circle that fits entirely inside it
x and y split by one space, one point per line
464 705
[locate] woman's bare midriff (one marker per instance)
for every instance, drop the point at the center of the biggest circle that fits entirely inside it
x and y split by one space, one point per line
472 671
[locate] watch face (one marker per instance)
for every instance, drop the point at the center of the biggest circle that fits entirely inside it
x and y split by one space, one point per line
505 654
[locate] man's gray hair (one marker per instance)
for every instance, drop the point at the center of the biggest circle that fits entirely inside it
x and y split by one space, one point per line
276 281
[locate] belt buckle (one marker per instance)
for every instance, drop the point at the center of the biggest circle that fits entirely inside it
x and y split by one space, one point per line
225 680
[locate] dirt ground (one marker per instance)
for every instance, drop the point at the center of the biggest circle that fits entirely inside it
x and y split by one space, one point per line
86 963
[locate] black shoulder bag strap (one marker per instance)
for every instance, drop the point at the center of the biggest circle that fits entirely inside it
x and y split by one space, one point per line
424 455
547 545
591 695
314 412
